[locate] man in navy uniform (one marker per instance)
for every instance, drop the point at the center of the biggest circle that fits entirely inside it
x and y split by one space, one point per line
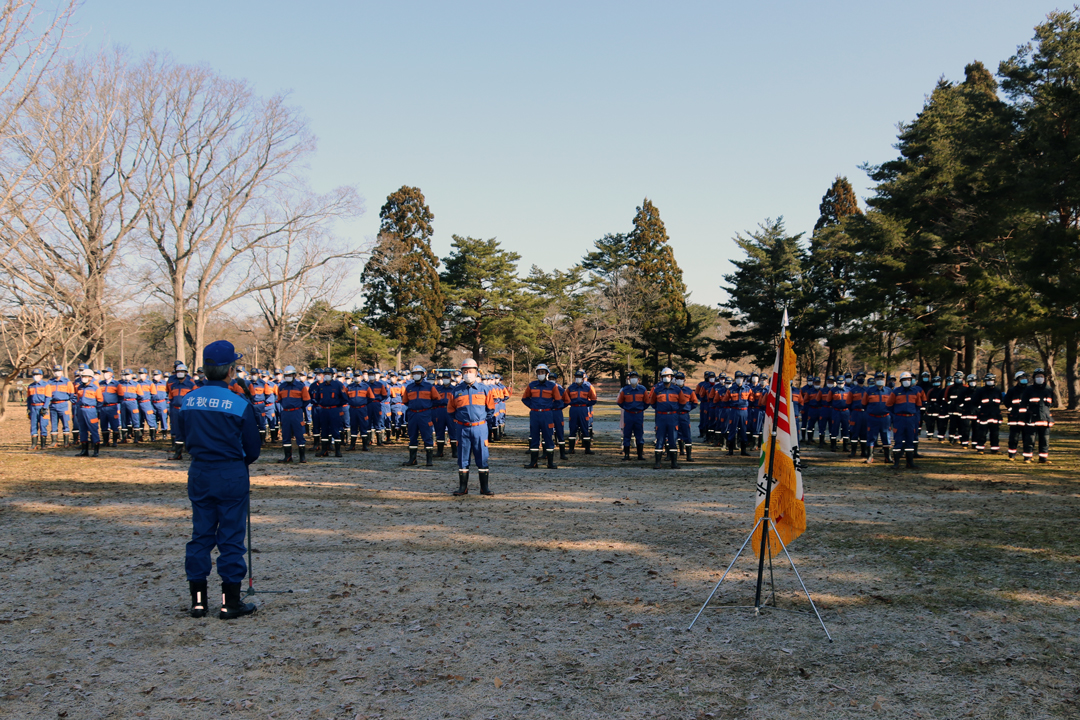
633 403
221 432
37 410
470 405
419 399
540 398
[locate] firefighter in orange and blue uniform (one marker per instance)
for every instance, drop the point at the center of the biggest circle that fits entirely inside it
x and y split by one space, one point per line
838 397
857 419
359 395
145 395
558 420
540 397
419 397
439 416
88 401
878 417
806 424
159 398
330 401
37 409
905 404
179 386
294 398
739 397
59 393
470 405
705 408
665 399
632 401
687 402
582 397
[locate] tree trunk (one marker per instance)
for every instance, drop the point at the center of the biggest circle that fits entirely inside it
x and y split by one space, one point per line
829 369
1048 351
178 320
1072 365
1007 365
398 363
969 353
944 363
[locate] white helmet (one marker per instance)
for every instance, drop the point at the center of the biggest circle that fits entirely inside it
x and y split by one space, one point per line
905 375
419 369
541 366
667 371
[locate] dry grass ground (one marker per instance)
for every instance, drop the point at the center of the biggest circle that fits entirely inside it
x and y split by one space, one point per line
950 591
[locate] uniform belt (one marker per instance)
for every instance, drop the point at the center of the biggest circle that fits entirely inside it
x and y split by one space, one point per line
541 409
579 405
905 414
633 412
110 404
879 416
37 404
470 424
665 413
285 409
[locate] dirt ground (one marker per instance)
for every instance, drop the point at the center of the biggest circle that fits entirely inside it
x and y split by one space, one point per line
950 591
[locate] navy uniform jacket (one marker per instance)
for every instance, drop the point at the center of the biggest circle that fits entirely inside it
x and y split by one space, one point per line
219 427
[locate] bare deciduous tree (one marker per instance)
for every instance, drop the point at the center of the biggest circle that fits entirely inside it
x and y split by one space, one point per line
226 155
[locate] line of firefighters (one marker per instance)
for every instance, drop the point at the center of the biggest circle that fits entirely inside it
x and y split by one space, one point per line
339 408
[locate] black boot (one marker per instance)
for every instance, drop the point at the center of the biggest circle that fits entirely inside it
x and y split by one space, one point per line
198 598
378 438
412 457
562 451
324 448
821 443
832 445
365 443
854 448
303 453
386 437
352 443
865 449
896 460
97 446
626 453
588 446
846 448
273 435
911 460
113 438
453 449
674 458
570 443
262 435
337 448
288 455
657 455
742 449
484 489
178 453
430 454
439 448
534 458
463 483
641 452
551 460
731 448
917 449
231 604
85 452
688 456
682 447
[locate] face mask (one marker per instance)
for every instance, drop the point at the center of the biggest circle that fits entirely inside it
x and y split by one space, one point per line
905 383
989 383
319 378
937 384
666 379
738 381
470 377
860 381
417 377
58 374
680 383
753 381
142 376
541 376
1039 380
633 382
712 380
879 383
290 378
1023 381
817 386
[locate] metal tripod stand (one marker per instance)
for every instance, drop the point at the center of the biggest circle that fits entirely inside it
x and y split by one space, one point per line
758 604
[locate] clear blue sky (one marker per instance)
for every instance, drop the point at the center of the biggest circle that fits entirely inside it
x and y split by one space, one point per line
546 124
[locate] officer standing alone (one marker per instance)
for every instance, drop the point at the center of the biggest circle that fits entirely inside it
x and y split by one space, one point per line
221 432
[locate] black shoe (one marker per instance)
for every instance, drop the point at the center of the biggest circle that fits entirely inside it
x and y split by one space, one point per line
534 458
288 455
682 448
179 452
674 458
337 448
439 449
562 452
352 443
198 598
484 489
588 447
153 435
688 449
453 449
551 460
303 454
657 455
231 604
430 454
412 457
85 452
97 446
365 443
570 443
742 449
911 460
626 453
463 483
640 452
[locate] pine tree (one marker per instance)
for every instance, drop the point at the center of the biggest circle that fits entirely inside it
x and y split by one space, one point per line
839 202
404 299
486 308
767 281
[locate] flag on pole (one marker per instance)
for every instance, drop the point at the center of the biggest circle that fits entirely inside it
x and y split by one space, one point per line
786 505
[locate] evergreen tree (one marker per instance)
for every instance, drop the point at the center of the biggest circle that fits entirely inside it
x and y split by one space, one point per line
838 203
1043 81
769 280
486 309
404 299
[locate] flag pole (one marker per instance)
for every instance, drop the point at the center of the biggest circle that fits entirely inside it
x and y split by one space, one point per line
772 457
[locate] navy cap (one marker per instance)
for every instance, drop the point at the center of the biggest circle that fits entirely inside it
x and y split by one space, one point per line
108 369
220 352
